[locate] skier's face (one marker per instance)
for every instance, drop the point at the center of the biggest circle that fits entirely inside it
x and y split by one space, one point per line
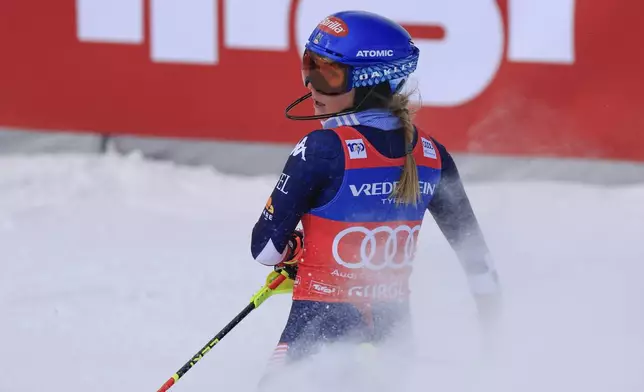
325 104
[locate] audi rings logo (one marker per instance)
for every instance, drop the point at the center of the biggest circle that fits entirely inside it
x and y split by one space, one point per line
396 251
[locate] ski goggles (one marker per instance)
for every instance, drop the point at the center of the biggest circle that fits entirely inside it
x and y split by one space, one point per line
325 75
332 78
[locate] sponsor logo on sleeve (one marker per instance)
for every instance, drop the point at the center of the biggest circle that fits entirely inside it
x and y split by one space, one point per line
300 148
281 183
269 210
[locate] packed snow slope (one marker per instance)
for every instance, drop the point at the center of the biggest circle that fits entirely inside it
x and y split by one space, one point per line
115 271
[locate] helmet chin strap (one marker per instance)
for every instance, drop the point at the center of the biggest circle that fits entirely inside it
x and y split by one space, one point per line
311 117
350 110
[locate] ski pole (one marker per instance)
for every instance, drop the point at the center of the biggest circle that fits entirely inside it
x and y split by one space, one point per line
262 295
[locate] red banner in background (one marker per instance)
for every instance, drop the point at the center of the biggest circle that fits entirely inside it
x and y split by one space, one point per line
530 77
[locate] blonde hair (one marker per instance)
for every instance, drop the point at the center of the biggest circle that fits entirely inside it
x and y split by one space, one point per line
408 190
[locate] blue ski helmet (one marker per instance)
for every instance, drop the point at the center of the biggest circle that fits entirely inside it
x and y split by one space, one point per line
356 49
371 48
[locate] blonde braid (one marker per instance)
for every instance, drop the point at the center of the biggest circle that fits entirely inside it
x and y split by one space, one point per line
408 190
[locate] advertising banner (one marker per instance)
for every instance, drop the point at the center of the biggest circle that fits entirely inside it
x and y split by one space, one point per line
526 77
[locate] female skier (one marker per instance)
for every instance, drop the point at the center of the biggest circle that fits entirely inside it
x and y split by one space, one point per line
360 187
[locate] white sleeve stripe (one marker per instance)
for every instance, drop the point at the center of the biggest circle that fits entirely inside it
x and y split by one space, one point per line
270 255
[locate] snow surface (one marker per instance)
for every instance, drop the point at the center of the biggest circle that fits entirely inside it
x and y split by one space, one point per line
115 271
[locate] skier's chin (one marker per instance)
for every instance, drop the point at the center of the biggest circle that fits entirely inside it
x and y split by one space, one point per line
319 107
325 104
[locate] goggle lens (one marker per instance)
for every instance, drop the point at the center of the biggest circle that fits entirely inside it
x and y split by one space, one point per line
324 74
